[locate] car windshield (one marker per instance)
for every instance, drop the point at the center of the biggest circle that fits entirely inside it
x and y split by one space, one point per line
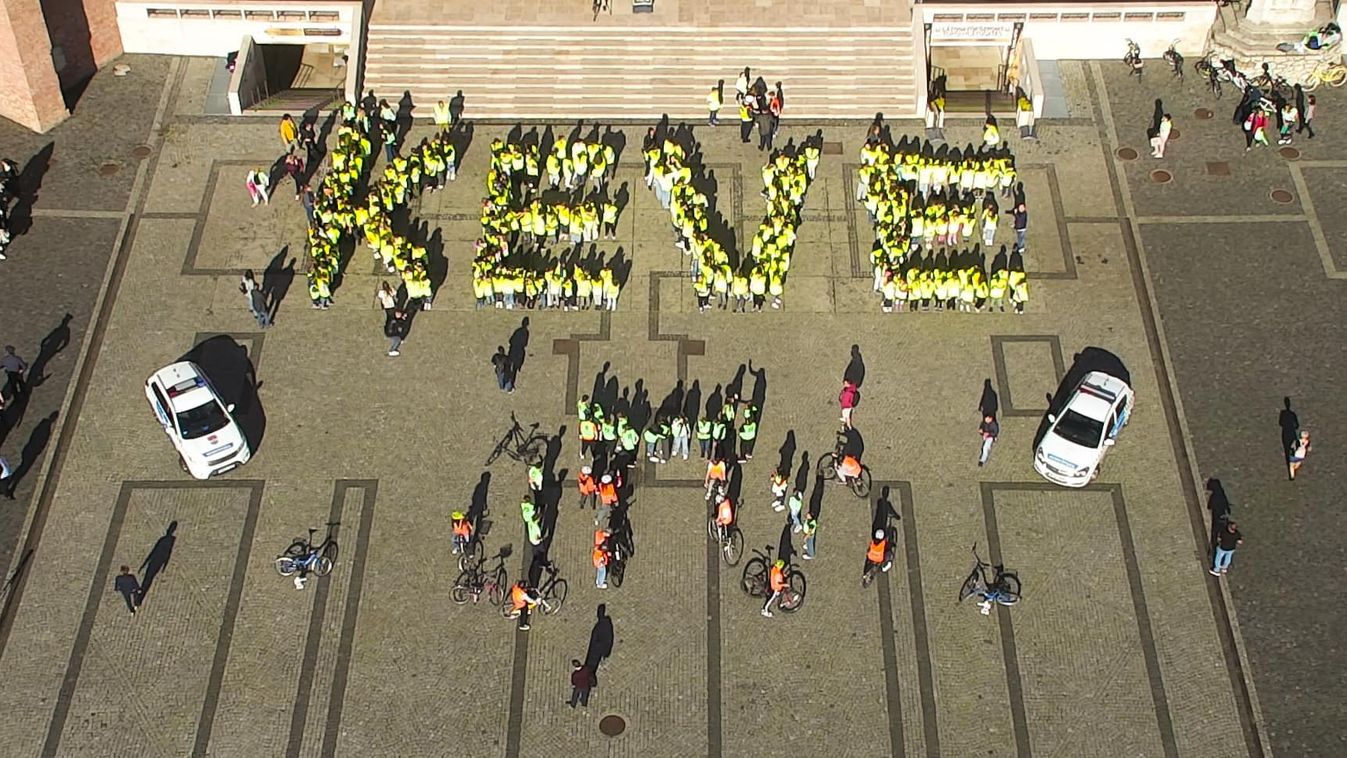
201 420
1076 428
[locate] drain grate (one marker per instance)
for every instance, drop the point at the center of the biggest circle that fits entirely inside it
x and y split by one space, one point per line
1289 153
1161 176
832 148
1126 153
141 152
108 168
1281 196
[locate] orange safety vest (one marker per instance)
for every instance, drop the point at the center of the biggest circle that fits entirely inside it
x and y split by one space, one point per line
851 466
778 579
608 493
716 471
725 513
876 552
589 431
587 484
600 536
462 529
600 557
517 597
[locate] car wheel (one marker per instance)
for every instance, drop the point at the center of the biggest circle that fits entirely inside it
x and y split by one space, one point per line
183 463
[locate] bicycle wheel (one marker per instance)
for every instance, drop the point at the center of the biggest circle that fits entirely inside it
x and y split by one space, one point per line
530 450
298 549
971 585
1203 68
733 547
827 466
1312 83
860 486
471 554
330 551
460 594
711 528
791 601
754 577
285 565
495 592
556 595
1008 589
1336 76
616 572
323 566
868 575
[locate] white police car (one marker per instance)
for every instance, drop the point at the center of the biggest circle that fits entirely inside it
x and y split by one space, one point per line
196 420
1086 427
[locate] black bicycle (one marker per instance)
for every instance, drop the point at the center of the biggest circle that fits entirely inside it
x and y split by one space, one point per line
303 555
829 469
994 586
523 445
551 594
622 550
1133 59
476 580
755 581
729 539
1175 60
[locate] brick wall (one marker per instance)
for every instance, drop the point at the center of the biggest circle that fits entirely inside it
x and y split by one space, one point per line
30 92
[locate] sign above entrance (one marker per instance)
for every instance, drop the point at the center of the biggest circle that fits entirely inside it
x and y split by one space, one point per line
986 32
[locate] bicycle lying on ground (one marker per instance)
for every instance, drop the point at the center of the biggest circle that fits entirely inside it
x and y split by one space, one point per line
827 469
1001 587
755 581
521 445
476 580
308 558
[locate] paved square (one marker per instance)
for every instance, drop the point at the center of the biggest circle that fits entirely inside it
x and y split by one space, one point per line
1118 646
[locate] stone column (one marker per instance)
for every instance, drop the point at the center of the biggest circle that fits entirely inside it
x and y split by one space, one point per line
30 91
1281 13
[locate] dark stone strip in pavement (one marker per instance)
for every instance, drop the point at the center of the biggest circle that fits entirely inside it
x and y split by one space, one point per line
337 700
892 694
313 641
98 589
33 538
1068 271
858 269
1014 685
714 739
921 640
514 723
1163 719
1220 611
570 347
1091 220
1008 407
189 267
231 611
686 346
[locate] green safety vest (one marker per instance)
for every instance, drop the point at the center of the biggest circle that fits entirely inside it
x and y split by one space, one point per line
748 431
718 430
608 431
630 438
704 429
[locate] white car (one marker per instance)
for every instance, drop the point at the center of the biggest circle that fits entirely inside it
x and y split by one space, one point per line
197 422
1086 427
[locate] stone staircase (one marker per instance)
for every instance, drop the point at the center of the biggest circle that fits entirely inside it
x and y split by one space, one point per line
615 73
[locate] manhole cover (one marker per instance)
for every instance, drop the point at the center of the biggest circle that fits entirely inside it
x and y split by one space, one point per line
612 725
832 148
1282 196
1161 176
1126 153
1204 113
1218 168
108 168
1289 153
141 151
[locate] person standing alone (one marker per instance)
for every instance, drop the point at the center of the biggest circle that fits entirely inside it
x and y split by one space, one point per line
128 587
14 367
1226 542
713 102
582 681
989 430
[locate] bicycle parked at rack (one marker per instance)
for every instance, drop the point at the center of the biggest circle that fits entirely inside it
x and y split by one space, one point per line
476 580
308 558
755 581
999 586
1211 69
859 484
1175 60
1133 59
525 446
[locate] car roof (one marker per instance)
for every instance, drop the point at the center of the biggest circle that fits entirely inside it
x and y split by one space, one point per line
185 385
1096 395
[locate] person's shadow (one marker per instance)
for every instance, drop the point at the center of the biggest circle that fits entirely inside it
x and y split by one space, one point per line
32 450
989 404
600 641
276 281
55 341
519 342
158 559
1219 505
29 182
855 372
1290 424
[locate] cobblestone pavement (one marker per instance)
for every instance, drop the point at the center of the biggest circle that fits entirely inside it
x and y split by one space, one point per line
1121 646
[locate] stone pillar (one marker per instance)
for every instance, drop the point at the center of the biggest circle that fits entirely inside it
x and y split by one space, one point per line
30 91
1281 13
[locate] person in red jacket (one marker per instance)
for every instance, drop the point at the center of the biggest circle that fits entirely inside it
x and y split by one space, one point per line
849 398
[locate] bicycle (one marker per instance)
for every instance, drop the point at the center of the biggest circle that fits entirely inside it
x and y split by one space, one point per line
471 552
1267 82
306 557
827 469
1175 60
755 581
475 580
1212 72
622 550
551 595
519 445
730 540
1002 588
1332 74
873 570
1133 59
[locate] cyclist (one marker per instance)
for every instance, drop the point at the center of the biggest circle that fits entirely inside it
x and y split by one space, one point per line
777 580
878 554
522 600
715 473
848 467
589 489
462 531
724 515
607 499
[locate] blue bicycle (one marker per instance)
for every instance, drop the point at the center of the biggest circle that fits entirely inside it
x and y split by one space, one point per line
1001 587
308 558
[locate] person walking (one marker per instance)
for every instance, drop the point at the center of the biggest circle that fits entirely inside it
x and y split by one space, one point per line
849 398
1226 542
128 586
1307 115
396 331
582 681
1300 449
1255 129
745 118
713 102
1289 118
256 300
989 430
741 85
14 368
601 559
258 184
810 531
386 299
7 483
589 488
748 434
504 376
289 131
294 167
1021 225
308 203
796 505
1161 137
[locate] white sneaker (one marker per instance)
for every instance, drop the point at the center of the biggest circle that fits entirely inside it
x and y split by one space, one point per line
1213 572
766 613
808 557
299 582
795 530
603 586
394 353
